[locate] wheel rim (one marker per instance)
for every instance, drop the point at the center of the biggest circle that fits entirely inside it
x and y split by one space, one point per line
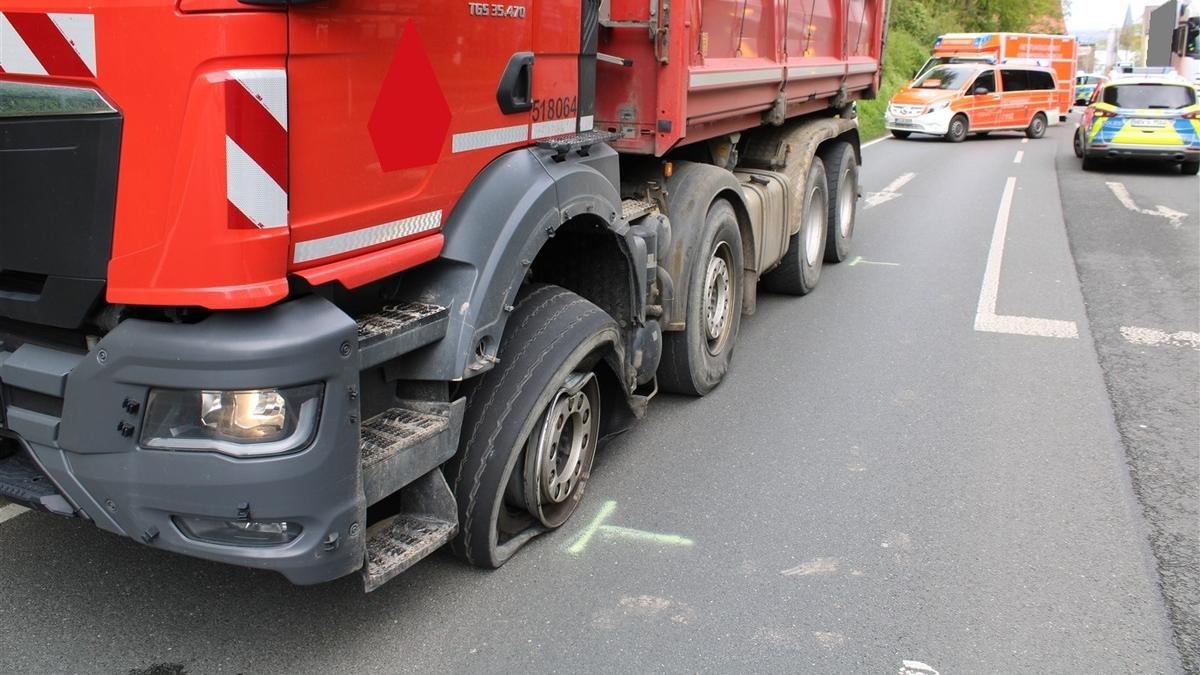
956 128
1038 125
718 298
846 197
559 452
814 224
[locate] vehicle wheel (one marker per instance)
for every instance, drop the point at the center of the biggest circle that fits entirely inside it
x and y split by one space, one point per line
1091 164
1078 143
800 270
898 133
959 126
531 426
1190 168
841 175
694 360
1037 126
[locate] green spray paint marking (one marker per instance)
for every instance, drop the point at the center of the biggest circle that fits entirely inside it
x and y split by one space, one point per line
859 259
647 536
586 536
597 525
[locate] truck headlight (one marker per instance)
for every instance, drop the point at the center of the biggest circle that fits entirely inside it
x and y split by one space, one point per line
938 106
250 423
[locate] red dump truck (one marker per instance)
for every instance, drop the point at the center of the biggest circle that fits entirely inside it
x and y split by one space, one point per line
318 287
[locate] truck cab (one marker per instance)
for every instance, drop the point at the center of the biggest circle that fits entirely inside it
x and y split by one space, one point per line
320 287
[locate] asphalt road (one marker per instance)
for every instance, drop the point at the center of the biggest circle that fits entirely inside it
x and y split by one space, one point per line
876 482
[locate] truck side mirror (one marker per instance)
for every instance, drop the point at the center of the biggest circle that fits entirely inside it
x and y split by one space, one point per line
982 91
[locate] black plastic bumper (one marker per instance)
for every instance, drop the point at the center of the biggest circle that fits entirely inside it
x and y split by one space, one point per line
91 454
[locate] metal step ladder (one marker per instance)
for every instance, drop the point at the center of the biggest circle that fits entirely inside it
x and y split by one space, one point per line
427 520
21 481
399 329
403 443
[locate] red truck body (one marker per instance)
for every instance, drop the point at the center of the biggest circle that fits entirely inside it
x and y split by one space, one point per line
242 239
428 71
727 62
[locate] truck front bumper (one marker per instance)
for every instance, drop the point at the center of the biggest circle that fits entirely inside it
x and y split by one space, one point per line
78 417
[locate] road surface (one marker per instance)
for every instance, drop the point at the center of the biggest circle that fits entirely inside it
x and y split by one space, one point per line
953 457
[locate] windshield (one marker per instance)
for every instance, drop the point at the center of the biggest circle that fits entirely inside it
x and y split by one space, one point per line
943 77
935 61
1154 96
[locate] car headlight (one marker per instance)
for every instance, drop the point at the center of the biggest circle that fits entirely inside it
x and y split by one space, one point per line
249 423
938 106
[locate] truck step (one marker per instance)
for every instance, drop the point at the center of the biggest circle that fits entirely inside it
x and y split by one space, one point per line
400 543
428 518
403 443
399 329
632 209
562 145
22 482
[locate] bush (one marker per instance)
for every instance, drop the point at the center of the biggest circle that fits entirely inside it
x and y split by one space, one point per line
903 56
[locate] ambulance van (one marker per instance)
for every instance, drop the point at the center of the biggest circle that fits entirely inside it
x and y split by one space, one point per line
954 100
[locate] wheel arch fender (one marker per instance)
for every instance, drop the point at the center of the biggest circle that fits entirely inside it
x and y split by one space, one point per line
495 232
691 191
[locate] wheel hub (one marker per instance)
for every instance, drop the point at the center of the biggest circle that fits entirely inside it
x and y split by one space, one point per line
846 196
814 223
560 451
718 286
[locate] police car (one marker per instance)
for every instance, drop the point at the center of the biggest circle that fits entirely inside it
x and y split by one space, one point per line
1154 117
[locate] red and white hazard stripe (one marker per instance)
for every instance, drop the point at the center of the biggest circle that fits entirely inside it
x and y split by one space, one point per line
256 148
36 43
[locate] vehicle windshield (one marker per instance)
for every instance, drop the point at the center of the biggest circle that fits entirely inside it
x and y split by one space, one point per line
1153 96
935 61
944 77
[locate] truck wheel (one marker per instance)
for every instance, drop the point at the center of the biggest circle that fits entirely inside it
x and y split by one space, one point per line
1190 168
958 129
1037 126
901 134
841 174
800 269
694 360
531 426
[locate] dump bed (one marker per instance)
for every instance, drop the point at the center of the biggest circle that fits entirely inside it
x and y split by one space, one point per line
688 70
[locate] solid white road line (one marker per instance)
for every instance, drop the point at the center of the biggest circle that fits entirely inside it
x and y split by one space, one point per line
1153 337
11 511
986 319
1122 194
1019 157
888 193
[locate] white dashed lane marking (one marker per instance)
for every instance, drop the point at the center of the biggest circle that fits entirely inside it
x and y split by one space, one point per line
888 193
1019 157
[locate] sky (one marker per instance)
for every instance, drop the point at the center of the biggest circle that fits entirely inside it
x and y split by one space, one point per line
1096 14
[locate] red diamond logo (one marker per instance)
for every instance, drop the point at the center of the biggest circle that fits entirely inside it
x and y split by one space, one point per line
411 117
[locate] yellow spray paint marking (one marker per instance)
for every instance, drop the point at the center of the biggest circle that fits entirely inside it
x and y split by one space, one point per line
586 536
673 539
597 525
859 260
